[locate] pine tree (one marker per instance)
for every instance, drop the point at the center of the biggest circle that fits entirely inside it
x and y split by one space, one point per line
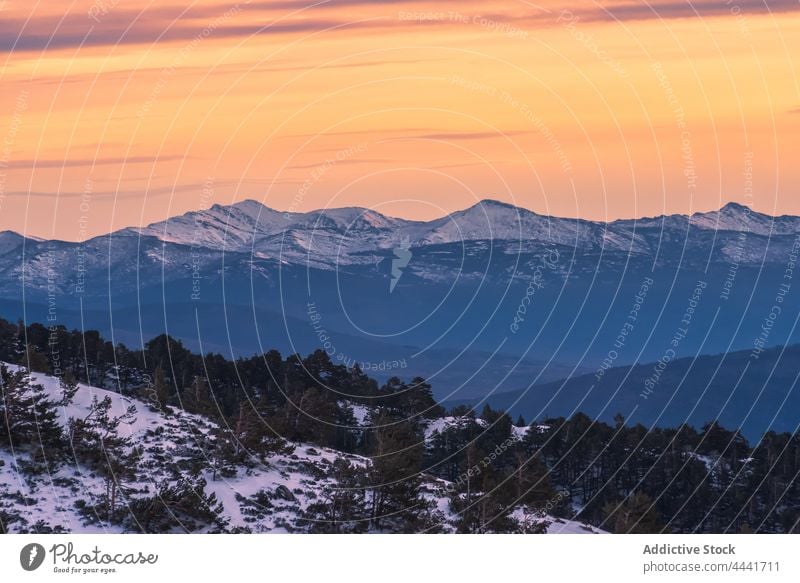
341 508
417 399
34 360
197 398
69 388
96 441
396 501
224 451
27 416
160 390
182 506
253 437
635 515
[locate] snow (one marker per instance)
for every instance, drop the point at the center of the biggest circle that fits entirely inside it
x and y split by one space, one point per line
443 423
326 238
253 498
360 412
178 436
737 217
519 432
253 236
530 518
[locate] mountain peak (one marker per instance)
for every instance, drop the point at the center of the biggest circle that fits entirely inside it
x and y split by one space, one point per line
735 216
491 202
248 206
729 209
13 235
490 206
10 240
735 206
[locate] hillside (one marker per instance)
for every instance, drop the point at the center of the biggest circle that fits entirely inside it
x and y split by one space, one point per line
271 495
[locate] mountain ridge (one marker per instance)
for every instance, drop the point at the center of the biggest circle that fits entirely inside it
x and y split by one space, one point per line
753 395
235 215
228 277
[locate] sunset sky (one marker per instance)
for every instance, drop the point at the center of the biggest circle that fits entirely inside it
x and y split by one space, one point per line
126 112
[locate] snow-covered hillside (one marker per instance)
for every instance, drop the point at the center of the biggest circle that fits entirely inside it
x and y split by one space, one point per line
264 497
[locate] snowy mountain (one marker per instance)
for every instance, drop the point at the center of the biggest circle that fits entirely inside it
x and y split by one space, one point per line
319 237
239 278
342 236
49 495
737 217
333 239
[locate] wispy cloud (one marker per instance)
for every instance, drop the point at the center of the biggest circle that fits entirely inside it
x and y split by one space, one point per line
342 162
171 23
461 165
663 10
346 133
106 194
79 162
122 27
453 136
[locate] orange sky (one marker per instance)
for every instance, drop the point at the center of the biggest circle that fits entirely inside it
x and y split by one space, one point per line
122 113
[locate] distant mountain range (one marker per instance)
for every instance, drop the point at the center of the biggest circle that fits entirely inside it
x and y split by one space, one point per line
489 299
736 389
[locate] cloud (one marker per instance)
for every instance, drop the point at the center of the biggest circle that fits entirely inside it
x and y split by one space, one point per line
131 27
461 165
340 163
324 134
120 26
79 162
107 194
452 136
686 9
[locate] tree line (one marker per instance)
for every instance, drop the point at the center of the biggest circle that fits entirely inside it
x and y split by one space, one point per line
494 471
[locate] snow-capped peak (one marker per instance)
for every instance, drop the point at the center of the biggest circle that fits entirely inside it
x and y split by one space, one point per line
738 217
